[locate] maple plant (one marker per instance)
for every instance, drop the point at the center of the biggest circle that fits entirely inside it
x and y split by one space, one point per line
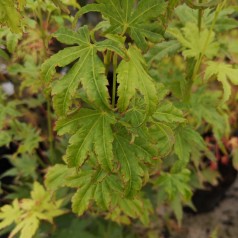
125 105
115 137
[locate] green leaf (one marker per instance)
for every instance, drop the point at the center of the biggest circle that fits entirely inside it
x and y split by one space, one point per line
223 72
9 15
195 42
177 207
82 198
12 41
94 134
206 106
9 214
140 22
176 188
130 167
25 166
28 227
187 142
140 141
187 14
71 123
70 37
168 113
8 110
88 71
136 208
132 75
165 139
29 137
97 186
113 43
29 74
107 190
56 176
61 59
162 50
27 213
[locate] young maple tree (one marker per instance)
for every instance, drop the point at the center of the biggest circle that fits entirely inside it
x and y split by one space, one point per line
126 96
114 140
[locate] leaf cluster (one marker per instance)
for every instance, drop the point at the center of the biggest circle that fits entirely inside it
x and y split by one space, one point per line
27 213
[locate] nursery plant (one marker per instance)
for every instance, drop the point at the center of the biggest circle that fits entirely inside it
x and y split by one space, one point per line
111 120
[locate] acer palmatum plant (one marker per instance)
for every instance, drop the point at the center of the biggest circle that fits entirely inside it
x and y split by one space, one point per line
116 142
131 96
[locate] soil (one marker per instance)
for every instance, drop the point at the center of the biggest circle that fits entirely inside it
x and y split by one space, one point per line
224 219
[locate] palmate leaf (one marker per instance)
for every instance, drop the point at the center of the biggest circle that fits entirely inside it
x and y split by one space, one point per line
93 80
9 214
187 142
92 131
206 105
175 186
27 213
224 73
141 22
133 76
92 185
88 71
175 183
27 135
97 186
100 188
158 140
195 42
136 208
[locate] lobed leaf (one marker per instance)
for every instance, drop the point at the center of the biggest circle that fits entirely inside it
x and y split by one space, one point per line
187 142
88 71
168 113
70 37
95 134
61 59
132 75
124 17
223 72
195 42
